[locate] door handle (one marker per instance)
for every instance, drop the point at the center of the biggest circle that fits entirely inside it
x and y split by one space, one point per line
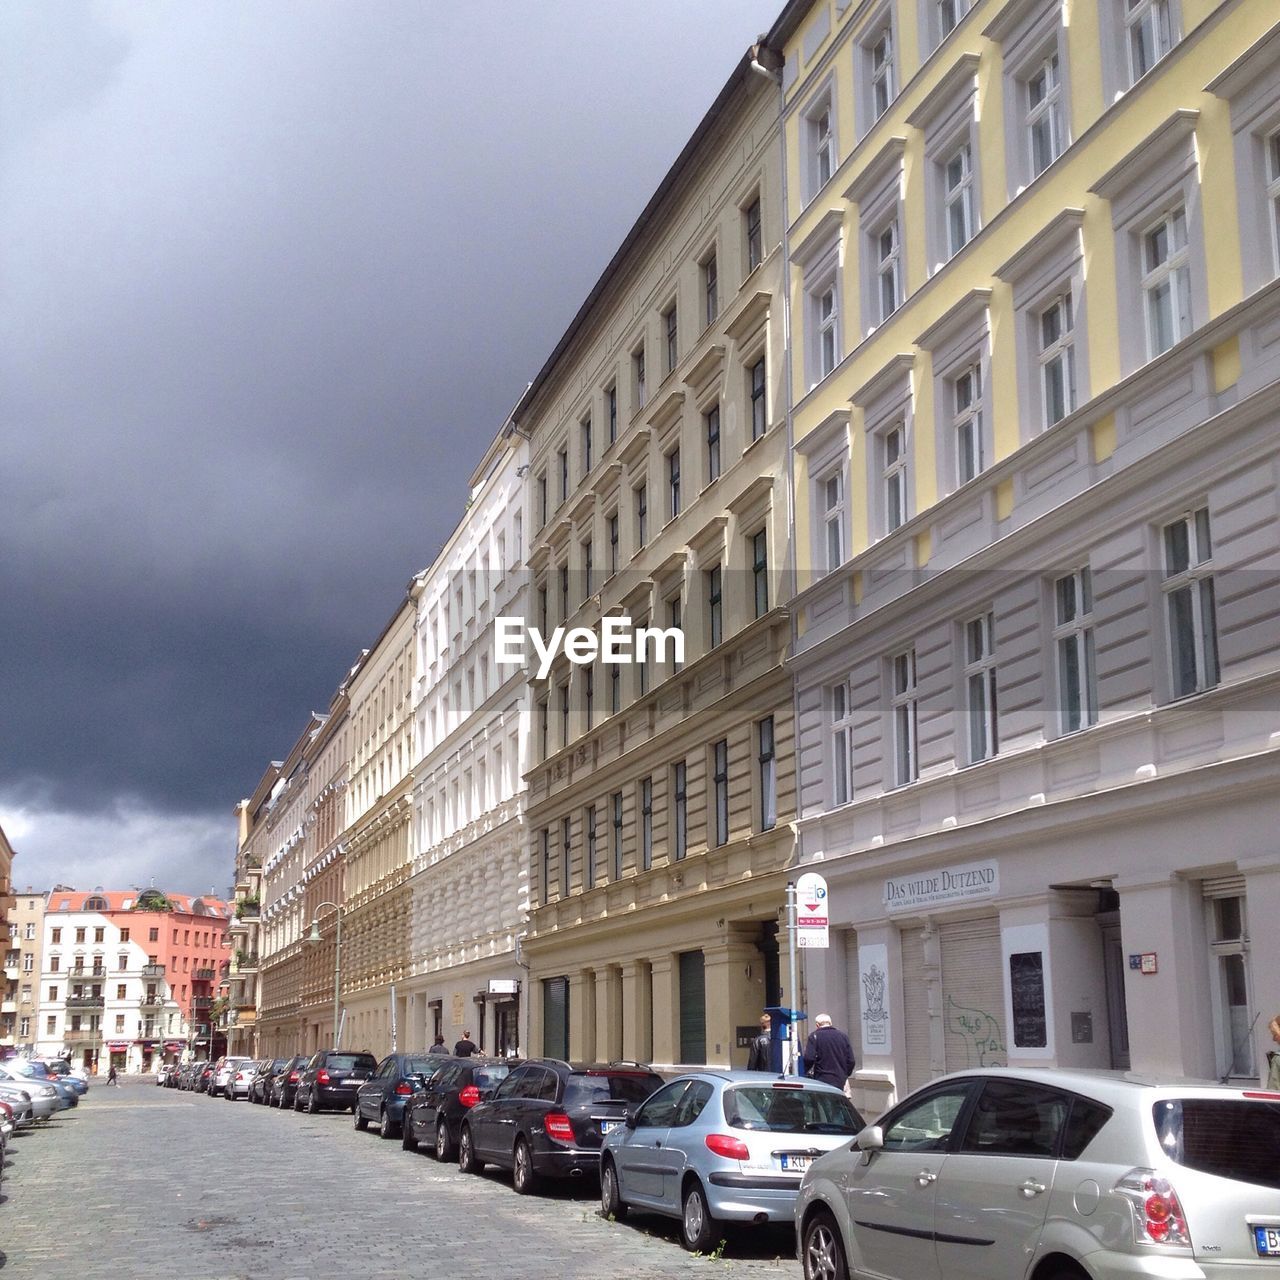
924 1177
1031 1188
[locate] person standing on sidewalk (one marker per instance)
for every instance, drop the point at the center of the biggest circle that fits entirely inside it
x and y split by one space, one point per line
828 1055
758 1057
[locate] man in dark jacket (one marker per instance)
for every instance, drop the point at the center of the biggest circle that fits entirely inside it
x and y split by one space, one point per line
465 1047
828 1055
758 1056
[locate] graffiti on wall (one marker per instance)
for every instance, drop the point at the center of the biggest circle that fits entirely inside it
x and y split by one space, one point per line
980 1033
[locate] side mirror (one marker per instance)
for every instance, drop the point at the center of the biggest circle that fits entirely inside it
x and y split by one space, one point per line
630 1118
870 1139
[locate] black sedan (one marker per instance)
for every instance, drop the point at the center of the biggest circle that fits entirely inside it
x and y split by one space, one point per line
260 1085
284 1084
330 1080
434 1114
383 1098
544 1118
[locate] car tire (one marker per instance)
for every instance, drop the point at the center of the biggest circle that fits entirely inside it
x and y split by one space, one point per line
468 1161
358 1121
822 1250
444 1144
612 1204
386 1126
297 1101
407 1141
697 1227
523 1178
313 1105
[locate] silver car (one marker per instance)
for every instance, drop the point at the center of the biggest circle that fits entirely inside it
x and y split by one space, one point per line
43 1098
1053 1174
721 1146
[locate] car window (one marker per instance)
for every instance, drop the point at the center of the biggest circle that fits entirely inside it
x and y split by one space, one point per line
489 1077
548 1087
925 1124
692 1104
418 1067
788 1109
513 1085
586 1087
659 1112
386 1068
1228 1137
1083 1125
351 1062
1015 1118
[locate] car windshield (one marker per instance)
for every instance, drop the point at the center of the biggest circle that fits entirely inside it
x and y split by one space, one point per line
351 1062
585 1087
1229 1137
790 1110
489 1077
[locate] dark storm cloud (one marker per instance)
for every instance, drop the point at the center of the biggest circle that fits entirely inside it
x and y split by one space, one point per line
271 276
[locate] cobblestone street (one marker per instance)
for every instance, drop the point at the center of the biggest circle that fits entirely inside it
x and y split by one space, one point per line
143 1181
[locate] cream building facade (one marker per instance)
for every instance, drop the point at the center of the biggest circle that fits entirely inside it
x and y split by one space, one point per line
1035 386
22 972
660 794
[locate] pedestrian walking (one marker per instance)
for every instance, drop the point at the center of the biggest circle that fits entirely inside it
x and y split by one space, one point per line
760 1054
465 1047
111 1076
1273 1056
828 1055
438 1045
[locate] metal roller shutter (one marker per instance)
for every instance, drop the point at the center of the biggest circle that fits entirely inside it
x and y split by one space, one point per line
915 1009
972 994
693 1008
852 989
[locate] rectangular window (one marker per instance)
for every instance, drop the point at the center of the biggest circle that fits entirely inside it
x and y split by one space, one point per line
124 935
543 614
680 809
767 761
889 269
715 615
1229 949
894 474
966 422
589 863
99 935
586 444
616 805
822 147
710 290
153 935
564 592
673 483
1273 197
566 839
711 420
638 376
562 467
56 937
1149 34
589 696
754 233
1189 603
542 504
642 515
1044 114
545 867
760 572
1166 282
957 175
79 935
842 743
646 824
980 687
1073 650
827 316
949 14
720 790
611 412
675 620
759 416
1058 359
881 61
615 688
832 500
612 524
906 767
564 714
671 331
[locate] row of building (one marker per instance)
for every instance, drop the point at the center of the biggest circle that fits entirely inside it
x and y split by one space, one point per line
933 399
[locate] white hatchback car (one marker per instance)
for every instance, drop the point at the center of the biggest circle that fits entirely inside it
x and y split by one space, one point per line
225 1074
1013 1174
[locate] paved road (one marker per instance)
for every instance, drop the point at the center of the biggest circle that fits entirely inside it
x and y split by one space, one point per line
147 1182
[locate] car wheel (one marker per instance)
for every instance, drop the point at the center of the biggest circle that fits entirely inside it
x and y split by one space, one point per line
523 1178
444 1145
297 1101
386 1125
407 1141
697 1226
313 1104
822 1253
468 1161
612 1204
358 1120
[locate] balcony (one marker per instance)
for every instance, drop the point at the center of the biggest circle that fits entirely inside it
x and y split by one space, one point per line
149 1002
246 962
11 972
203 975
79 971
85 1002
202 1002
153 971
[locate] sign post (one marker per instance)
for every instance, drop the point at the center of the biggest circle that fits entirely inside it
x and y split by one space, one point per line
812 920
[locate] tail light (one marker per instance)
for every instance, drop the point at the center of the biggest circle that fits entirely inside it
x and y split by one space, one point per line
729 1147
1157 1214
322 1076
293 1077
469 1096
559 1128
404 1088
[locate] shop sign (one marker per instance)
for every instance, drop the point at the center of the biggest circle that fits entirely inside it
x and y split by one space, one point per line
117 1046
502 986
960 883
811 911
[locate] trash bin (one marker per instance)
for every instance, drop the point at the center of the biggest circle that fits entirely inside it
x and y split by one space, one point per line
779 1033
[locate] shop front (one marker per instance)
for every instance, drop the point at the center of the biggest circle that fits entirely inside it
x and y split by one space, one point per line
117 1054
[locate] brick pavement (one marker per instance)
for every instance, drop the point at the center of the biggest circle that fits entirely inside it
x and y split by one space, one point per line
147 1182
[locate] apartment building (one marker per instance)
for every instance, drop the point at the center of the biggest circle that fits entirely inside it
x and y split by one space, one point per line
21 973
242 972
469 888
661 792
1035 379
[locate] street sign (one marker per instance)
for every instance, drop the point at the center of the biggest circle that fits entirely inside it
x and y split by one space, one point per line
812 920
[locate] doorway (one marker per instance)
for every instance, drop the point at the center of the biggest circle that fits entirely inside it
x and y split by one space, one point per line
1113 968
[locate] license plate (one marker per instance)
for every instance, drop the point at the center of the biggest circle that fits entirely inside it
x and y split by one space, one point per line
608 1126
1267 1241
797 1164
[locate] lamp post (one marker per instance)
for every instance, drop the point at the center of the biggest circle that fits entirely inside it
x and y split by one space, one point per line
314 936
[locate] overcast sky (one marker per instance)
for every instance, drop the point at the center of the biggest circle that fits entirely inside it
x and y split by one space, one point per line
272 274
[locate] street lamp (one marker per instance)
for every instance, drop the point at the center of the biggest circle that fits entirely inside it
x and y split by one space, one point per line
314 936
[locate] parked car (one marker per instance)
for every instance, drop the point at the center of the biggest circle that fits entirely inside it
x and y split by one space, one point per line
721 1146
383 1098
61 1068
284 1086
1090 1174
260 1085
202 1079
545 1118
330 1080
239 1080
434 1114
31 1072
40 1096
24 1113
224 1071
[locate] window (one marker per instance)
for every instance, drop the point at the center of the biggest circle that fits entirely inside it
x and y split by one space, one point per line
711 421
980 687
880 63
958 206
680 809
1073 651
715 615
545 867
760 572
720 790
564 592
616 805
56 937
53 995
842 743
1148 35
759 422
1273 196
612 525
638 376
611 411
888 270
671 331
51 1024
543 615
153 935
753 233
948 14
966 423
820 143
589 860
588 567
615 688
673 483
675 620
710 290
1189 603
79 935
1229 951
646 824
566 845
589 696
99 935
1057 359
831 491
585 427
642 515
906 765
1166 282
124 935
1045 129
826 313
767 761
893 446
562 469
564 714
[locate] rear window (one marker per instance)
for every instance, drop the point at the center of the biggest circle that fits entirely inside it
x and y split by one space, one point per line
763 1107
583 1088
1228 1137
351 1062
419 1067
489 1077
